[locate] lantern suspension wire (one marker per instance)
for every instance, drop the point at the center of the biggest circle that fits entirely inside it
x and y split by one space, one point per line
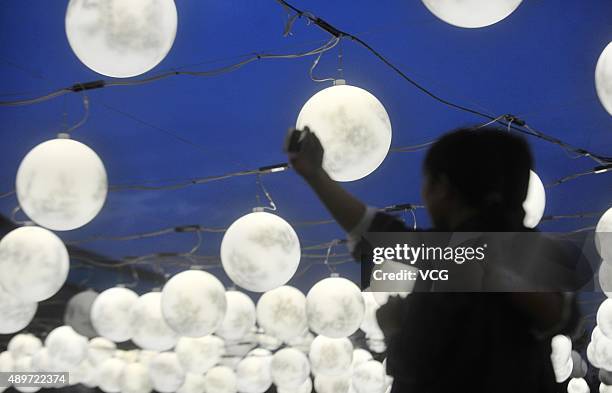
263 189
84 118
595 171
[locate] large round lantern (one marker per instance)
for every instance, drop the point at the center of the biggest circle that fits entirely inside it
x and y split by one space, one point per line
603 78
111 313
290 368
253 374
66 347
166 372
603 236
150 328
239 317
332 383
221 379
197 355
330 356
78 313
604 317
472 13
281 312
135 379
109 375
260 251
535 202
16 314
369 377
24 344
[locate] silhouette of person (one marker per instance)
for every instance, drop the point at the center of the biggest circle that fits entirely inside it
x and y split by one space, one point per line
475 180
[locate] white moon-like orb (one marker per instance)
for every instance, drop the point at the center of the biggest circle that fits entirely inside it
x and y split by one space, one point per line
34 263
332 383
253 374
604 276
41 361
120 38
61 184
281 312
604 318
166 372
369 377
194 383
78 313
66 347
24 365
561 350
360 356
24 344
603 352
150 328
84 374
239 317
193 303
472 13
290 368
603 388
330 356
306 387
335 307
221 379
135 379
603 236
260 251
603 78
111 312
100 349
577 385
353 127
16 314
591 355
197 355
535 202
109 375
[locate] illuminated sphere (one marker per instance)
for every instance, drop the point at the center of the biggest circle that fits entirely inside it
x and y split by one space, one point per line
41 361
135 379
335 307
603 78
253 374
471 13
289 368
369 377
330 356
150 329
197 355
61 184
194 383
111 313
605 278
16 314
66 347
120 38
564 371
603 352
7 362
78 313
605 388
591 355
34 263
577 385
100 349
84 374
221 379
561 350
193 303
239 316
109 375
535 202
603 236
306 387
166 372
360 356
332 383
353 127
24 365
604 317
281 312
260 251
24 344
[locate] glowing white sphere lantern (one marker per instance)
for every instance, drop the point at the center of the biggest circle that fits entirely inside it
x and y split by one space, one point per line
66 347
194 383
24 365
335 307
330 356
41 361
253 374
290 368
16 314
197 355
34 263
605 278
603 78
472 13
332 383
61 184
135 379
603 236
603 352
603 388
193 303
78 313
109 375
353 127
306 387
84 374
166 372
221 379
577 385
25 344
111 313
239 317
369 377
360 356
121 38
535 202
150 328
591 355
281 312
260 251
100 349
604 318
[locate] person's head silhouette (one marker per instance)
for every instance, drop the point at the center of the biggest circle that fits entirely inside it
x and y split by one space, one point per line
477 174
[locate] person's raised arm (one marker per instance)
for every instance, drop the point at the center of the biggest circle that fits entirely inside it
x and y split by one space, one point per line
307 162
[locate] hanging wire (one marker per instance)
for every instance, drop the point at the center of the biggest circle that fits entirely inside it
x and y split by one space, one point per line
14 219
263 189
84 118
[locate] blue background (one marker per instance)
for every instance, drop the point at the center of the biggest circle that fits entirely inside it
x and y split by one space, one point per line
538 64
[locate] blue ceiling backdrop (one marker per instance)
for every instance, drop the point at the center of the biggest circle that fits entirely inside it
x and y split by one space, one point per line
538 64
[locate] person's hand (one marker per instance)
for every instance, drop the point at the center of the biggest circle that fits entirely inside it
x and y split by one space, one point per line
308 161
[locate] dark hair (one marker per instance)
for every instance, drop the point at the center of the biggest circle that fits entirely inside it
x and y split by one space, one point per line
488 167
